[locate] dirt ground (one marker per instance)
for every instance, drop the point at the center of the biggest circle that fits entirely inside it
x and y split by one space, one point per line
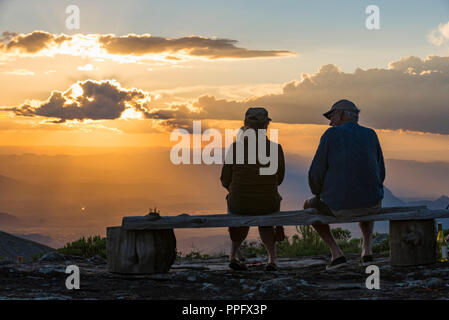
297 278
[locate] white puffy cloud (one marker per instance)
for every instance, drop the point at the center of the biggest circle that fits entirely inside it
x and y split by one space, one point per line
439 35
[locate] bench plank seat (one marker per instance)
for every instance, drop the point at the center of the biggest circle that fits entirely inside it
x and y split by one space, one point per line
142 245
283 218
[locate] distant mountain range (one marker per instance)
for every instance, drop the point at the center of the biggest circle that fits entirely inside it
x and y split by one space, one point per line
12 247
9 220
390 200
440 203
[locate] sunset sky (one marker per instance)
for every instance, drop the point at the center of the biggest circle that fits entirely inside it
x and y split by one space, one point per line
135 70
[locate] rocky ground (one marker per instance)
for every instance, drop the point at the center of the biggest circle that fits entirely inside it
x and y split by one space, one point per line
297 278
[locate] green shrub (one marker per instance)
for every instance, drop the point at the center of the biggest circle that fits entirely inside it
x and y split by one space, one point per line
86 248
382 247
196 254
37 256
306 242
341 234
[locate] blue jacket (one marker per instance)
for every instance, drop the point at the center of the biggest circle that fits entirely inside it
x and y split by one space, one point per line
348 169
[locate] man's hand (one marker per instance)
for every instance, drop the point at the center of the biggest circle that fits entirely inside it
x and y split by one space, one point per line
309 203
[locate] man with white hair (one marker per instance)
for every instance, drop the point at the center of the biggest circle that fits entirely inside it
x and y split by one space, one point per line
346 176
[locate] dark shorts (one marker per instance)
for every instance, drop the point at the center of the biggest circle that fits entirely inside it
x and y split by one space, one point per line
243 209
239 233
318 204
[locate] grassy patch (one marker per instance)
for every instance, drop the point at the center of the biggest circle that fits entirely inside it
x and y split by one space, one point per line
197 254
37 256
86 247
306 242
383 247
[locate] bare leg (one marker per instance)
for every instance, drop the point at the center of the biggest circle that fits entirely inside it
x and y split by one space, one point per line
367 231
238 234
267 237
325 233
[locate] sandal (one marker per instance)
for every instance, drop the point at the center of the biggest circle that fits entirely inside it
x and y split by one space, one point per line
237 266
337 263
366 260
271 267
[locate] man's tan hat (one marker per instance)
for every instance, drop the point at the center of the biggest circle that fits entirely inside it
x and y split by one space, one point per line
342 105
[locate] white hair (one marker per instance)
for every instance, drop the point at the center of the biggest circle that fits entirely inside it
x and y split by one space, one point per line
351 116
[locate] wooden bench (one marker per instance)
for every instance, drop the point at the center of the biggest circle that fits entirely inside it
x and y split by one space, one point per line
147 244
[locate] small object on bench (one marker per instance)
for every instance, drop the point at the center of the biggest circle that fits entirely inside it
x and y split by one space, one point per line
153 215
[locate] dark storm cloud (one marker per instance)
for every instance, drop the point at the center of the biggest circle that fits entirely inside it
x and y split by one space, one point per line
100 100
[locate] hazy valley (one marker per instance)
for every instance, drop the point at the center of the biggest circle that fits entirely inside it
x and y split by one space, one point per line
53 199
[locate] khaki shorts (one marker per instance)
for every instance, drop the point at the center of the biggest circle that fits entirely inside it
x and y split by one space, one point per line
318 204
348 213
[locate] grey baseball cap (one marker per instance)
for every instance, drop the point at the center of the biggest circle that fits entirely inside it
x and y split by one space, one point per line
257 114
342 105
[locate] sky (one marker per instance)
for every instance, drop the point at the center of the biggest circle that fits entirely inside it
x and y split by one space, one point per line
136 70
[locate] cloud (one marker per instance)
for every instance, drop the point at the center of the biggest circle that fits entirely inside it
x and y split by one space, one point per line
440 35
32 42
417 65
194 46
411 94
94 100
87 67
20 72
132 46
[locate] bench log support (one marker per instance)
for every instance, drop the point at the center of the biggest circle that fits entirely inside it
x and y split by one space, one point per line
140 252
412 242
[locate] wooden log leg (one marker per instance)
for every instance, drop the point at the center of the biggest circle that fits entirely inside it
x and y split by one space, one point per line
412 242
140 252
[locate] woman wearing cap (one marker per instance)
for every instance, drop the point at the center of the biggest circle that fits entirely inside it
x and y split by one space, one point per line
252 193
